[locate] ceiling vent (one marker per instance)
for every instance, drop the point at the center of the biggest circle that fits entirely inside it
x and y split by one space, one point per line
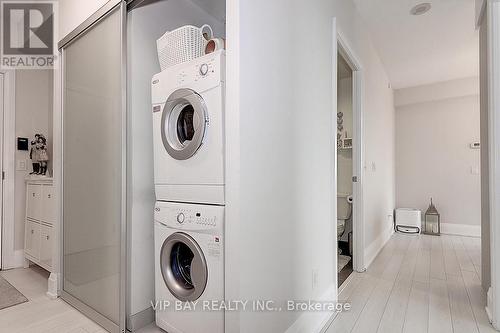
421 8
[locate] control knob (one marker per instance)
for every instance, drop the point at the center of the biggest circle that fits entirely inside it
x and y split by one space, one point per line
203 69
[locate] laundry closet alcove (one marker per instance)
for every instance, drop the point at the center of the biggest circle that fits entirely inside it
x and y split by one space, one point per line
107 253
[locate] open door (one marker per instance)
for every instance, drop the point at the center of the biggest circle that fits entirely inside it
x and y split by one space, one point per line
348 83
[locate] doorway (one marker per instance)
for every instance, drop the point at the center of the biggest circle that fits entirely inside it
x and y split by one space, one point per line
349 150
344 170
7 145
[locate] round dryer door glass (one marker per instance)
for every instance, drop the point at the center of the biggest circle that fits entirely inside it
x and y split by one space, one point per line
183 124
183 267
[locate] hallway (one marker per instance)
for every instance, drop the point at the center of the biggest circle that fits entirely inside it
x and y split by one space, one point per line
418 284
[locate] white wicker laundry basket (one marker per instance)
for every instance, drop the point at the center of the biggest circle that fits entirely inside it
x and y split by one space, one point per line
182 44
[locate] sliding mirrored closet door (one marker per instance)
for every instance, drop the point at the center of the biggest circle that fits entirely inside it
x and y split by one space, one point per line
93 168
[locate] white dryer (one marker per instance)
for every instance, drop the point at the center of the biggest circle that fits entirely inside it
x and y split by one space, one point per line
188 129
189 266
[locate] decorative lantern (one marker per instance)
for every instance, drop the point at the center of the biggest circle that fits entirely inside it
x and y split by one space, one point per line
432 221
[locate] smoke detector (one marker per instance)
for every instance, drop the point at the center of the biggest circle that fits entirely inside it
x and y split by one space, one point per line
421 8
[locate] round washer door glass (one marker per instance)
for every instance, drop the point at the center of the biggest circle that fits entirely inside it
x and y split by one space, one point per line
183 267
184 123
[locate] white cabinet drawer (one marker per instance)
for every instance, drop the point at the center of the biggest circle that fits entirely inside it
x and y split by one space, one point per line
48 207
46 246
32 239
33 201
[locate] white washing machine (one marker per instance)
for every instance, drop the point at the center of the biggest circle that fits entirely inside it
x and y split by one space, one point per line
189 266
188 129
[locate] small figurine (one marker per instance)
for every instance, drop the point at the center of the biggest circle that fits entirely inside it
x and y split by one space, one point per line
43 156
34 156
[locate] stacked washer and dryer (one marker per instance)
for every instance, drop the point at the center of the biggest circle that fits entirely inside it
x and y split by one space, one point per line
188 128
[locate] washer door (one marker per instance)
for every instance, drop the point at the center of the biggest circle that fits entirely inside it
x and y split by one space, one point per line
183 124
183 267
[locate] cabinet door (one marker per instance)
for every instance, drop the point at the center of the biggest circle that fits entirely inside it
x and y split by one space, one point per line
33 201
48 204
46 246
32 239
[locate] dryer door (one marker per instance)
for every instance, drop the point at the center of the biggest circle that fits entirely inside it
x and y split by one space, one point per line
184 123
183 267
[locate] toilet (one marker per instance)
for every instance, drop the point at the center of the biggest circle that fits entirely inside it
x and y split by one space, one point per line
344 212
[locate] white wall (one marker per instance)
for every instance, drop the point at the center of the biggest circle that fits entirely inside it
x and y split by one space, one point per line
479 6
344 157
437 92
285 154
33 113
73 12
433 158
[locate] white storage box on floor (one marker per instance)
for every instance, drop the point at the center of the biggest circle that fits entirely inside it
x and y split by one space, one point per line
408 220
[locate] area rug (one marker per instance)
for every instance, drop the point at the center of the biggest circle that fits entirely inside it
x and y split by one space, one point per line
9 296
342 261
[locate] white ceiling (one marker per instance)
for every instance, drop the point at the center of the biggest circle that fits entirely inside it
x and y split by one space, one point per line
438 46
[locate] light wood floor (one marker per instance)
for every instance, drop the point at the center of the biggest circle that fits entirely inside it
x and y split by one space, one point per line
40 314
418 284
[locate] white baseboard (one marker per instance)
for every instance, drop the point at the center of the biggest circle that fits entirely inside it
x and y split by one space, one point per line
18 260
489 304
461 229
372 251
52 283
489 309
315 322
139 320
14 261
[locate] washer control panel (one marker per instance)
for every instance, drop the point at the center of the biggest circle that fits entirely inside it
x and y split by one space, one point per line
181 217
189 216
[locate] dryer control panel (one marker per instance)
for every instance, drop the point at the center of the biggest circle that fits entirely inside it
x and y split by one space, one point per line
189 216
200 74
198 71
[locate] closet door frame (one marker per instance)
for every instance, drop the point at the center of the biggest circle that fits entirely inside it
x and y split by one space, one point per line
101 14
